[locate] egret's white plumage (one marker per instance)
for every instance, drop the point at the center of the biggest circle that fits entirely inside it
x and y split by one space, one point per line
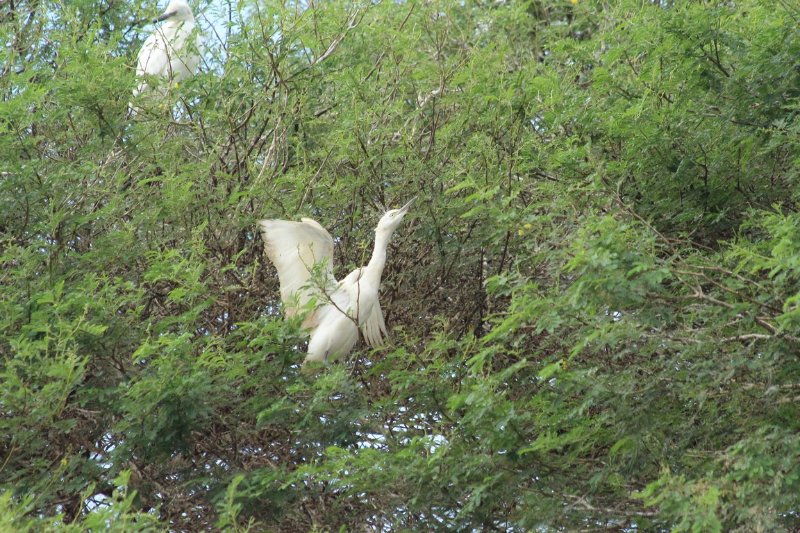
171 52
302 252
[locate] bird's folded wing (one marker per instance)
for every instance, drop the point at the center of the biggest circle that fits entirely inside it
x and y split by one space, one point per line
374 327
298 249
151 60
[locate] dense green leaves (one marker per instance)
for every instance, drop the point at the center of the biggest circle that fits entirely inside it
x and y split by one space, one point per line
594 306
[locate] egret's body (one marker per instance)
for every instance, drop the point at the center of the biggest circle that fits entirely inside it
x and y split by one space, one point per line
171 52
302 252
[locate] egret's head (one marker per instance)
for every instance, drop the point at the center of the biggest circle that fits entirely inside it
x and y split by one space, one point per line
391 220
177 10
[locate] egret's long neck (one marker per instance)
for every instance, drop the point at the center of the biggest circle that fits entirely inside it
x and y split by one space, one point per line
374 268
175 22
173 30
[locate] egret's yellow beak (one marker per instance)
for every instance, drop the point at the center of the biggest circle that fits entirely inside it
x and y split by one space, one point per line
404 209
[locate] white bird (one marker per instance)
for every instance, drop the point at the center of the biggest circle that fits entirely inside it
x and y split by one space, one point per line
302 252
169 53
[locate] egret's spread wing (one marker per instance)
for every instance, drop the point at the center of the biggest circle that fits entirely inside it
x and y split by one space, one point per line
374 327
367 307
298 249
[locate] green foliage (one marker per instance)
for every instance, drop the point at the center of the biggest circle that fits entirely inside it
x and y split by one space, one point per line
594 305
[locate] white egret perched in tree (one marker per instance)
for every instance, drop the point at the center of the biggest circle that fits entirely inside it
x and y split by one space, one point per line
171 52
302 252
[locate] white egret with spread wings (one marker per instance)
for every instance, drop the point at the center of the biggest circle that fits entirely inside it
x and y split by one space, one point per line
302 252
